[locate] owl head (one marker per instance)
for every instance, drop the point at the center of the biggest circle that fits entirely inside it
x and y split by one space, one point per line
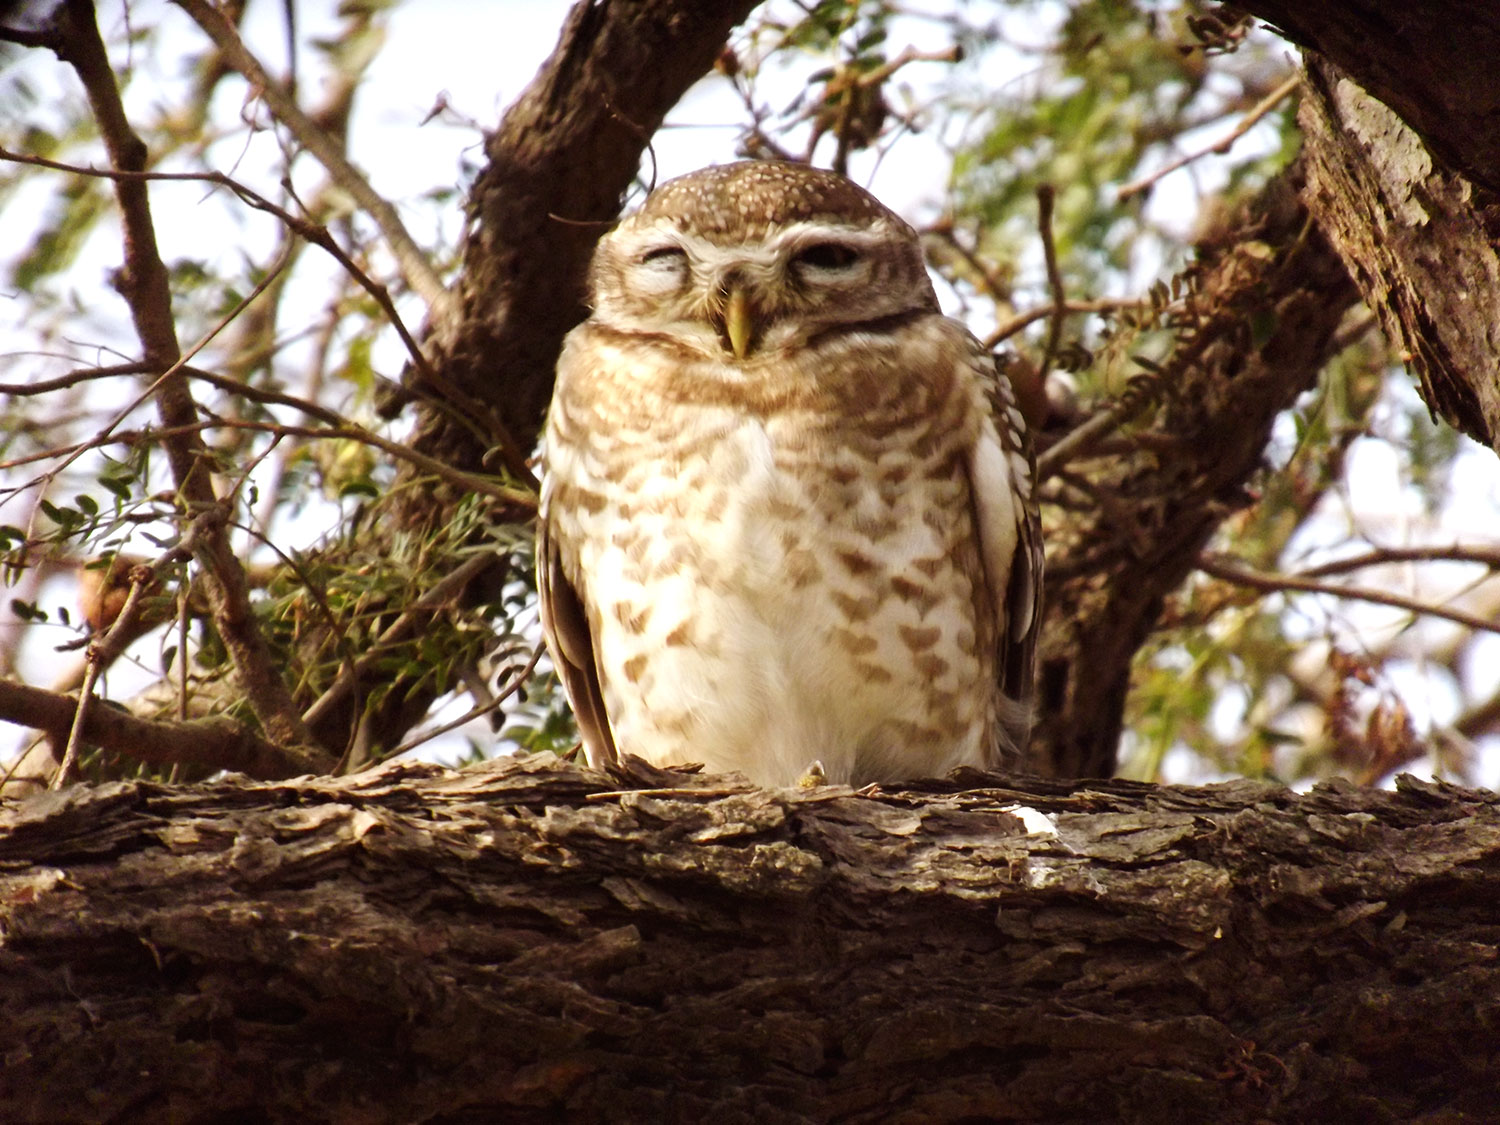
747 260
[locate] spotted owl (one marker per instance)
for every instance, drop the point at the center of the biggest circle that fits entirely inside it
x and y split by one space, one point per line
787 511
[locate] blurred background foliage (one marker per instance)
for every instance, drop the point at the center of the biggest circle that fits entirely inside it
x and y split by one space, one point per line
1150 122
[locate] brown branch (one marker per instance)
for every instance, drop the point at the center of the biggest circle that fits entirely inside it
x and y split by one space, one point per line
143 282
410 257
103 652
348 431
665 947
1221 146
1045 197
1185 468
1008 328
517 680
447 588
1220 566
464 409
1380 556
215 744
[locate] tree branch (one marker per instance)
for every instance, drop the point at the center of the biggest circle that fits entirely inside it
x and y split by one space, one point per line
1182 470
529 941
1223 568
214 744
144 285
410 257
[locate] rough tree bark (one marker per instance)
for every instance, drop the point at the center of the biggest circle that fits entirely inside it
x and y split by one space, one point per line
1431 61
1417 224
530 941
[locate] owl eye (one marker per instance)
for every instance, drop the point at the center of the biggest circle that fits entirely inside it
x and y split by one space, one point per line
661 269
826 256
668 256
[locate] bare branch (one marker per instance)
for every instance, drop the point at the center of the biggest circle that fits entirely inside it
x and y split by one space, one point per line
1380 556
1220 147
1011 326
456 405
1045 197
469 482
1220 566
410 618
102 652
216 744
144 285
410 257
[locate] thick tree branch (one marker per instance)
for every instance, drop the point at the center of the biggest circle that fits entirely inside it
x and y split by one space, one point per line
1432 61
528 941
1419 239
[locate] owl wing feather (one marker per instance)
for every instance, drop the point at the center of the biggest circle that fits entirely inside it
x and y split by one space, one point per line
1001 475
565 625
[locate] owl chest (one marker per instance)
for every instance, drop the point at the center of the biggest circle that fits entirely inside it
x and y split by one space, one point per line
775 541
770 508
780 583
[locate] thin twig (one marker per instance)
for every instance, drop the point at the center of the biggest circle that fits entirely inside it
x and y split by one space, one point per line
460 407
516 681
448 586
1379 556
102 652
1021 320
1221 146
411 259
1221 567
1079 441
470 482
1045 197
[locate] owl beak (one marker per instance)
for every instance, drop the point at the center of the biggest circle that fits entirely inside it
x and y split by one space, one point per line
739 321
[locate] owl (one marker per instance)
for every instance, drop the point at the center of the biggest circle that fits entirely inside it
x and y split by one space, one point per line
786 513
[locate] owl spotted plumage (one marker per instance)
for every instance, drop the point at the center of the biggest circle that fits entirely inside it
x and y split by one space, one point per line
786 514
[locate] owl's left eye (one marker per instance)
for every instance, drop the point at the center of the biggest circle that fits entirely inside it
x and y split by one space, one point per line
826 256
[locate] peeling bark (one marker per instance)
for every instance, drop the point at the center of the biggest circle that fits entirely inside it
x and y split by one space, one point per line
1431 61
531 941
1420 240
1409 190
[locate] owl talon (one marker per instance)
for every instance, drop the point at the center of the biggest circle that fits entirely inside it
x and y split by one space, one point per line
813 776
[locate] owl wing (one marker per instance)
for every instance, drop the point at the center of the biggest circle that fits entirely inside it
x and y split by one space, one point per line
1001 475
565 625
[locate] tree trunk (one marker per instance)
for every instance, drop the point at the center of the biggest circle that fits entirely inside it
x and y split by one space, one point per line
530 941
1431 61
1416 223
